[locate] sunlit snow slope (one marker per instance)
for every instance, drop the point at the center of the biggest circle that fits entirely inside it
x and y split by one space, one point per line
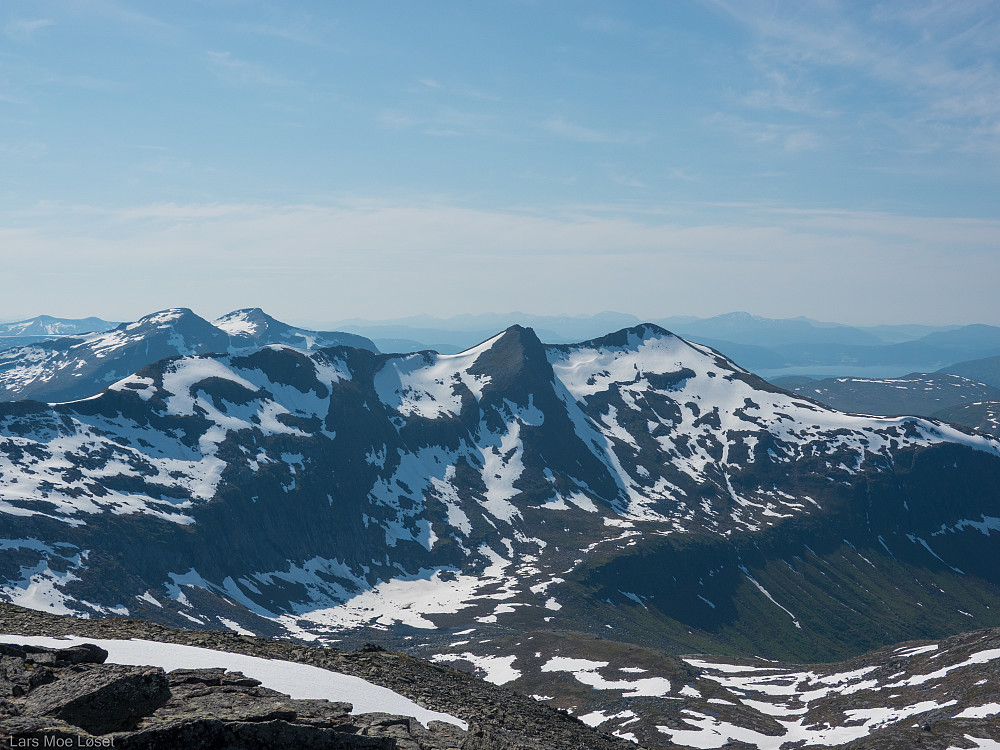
78 366
636 482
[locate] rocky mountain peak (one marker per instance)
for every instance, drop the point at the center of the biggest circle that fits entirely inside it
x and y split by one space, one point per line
627 338
636 478
515 356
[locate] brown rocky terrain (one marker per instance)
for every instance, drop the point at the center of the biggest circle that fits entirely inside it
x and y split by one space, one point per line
71 694
942 695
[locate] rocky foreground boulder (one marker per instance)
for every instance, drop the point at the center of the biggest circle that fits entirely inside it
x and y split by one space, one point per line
71 698
922 695
72 695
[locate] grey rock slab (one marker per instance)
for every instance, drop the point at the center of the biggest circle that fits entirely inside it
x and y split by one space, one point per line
26 728
216 734
495 738
101 699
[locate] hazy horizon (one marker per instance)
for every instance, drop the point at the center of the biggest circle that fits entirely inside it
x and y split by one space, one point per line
834 160
513 315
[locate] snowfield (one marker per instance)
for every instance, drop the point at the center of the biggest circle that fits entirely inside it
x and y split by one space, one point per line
295 680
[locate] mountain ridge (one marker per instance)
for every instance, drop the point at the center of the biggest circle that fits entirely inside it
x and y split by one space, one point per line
914 694
636 488
434 458
74 367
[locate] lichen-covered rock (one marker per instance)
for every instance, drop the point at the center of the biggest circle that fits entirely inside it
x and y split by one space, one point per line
495 738
90 704
85 653
438 687
210 734
26 728
101 699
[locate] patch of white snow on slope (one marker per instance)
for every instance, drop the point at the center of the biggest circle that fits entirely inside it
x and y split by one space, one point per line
979 658
980 743
712 732
979 712
765 592
410 600
183 373
498 669
586 671
423 384
236 323
291 678
39 588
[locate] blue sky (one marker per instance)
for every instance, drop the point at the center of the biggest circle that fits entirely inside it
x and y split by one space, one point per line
328 160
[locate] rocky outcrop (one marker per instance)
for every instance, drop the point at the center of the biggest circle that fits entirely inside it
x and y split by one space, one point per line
72 696
221 709
99 700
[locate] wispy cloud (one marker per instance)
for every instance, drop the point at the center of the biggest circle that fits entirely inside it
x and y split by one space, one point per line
445 121
803 261
605 24
428 85
792 138
574 132
933 63
243 73
780 92
300 33
23 30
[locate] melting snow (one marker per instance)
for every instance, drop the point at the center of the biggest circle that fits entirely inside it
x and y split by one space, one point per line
293 679
498 669
586 671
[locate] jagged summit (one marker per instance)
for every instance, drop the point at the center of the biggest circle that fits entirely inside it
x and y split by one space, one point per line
635 487
516 354
345 485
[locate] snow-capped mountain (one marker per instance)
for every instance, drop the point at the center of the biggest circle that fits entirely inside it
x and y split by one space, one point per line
68 368
251 327
44 327
637 486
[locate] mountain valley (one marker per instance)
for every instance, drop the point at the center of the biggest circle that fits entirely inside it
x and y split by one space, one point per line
946 396
563 519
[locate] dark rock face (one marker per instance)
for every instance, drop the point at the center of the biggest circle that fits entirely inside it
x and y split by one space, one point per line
87 703
237 735
484 738
103 700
